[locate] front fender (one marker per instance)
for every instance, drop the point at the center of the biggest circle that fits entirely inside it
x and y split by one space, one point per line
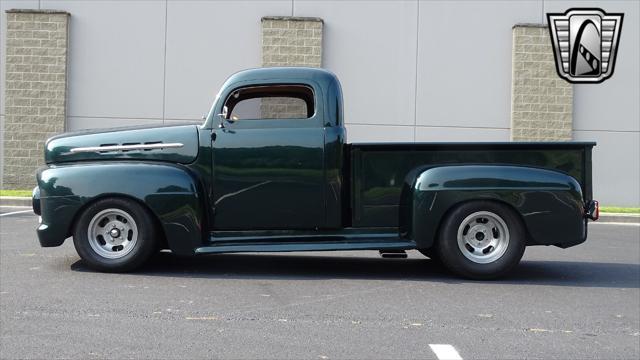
169 191
549 202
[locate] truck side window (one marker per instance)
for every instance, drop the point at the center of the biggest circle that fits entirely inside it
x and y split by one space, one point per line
271 102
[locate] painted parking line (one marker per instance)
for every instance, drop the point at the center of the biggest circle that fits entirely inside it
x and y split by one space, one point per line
445 352
615 223
16 212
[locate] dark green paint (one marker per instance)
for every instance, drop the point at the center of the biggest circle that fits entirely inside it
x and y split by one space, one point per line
57 148
379 170
171 192
549 203
294 185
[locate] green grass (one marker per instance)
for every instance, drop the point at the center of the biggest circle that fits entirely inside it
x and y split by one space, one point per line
617 209
20 193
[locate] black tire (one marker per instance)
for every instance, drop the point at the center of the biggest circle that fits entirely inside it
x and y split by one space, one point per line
454 258
141 250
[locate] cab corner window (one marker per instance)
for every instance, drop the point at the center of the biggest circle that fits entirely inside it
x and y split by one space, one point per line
271 102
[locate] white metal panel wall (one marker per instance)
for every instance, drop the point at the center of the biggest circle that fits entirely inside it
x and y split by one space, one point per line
207 42
116 60
464 67
371 46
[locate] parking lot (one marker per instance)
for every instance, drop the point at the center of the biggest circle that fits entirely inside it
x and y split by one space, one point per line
582 303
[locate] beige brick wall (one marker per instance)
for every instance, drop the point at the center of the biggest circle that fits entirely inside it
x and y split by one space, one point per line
541 102
289 41
35 90
283 108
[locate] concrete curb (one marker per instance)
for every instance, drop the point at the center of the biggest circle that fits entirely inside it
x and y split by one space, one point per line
604 217
619 218
15 201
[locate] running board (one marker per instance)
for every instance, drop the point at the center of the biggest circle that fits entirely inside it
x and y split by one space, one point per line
396 244
393 254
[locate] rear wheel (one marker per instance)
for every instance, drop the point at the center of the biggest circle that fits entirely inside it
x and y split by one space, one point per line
481 240
115 235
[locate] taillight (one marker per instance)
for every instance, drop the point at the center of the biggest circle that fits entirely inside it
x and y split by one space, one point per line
593 210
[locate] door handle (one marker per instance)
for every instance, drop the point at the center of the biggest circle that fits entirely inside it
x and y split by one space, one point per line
213 136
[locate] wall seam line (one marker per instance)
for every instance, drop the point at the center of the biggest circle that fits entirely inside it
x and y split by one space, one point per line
130 118
164 63
415 88
430 126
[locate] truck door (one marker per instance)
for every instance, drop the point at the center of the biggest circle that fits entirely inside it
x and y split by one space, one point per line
268 159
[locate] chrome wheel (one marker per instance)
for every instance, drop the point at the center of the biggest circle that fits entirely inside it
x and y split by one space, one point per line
483 237
112 233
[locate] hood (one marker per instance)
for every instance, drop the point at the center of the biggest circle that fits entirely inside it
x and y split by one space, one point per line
177 144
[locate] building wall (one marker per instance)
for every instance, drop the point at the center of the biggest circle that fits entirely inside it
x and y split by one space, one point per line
35 89
609 113
541 101
411 71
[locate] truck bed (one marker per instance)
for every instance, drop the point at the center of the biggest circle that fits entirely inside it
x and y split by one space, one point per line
377 171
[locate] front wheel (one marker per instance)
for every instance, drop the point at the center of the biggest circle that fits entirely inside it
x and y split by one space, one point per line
481 240
115 235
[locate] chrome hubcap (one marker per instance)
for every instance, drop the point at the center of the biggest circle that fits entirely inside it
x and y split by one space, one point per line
483 237
112 233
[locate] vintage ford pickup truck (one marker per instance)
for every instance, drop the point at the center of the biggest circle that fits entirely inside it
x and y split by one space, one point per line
269 170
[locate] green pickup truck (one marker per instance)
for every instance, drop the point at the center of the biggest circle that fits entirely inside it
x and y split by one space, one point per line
269 170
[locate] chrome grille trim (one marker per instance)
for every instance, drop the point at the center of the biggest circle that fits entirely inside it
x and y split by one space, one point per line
125 147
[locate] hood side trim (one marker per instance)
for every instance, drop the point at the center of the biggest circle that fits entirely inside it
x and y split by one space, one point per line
125 147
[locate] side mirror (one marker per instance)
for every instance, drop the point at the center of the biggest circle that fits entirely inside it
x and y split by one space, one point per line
223 117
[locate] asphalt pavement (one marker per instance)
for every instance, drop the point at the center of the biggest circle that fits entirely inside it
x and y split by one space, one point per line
580 303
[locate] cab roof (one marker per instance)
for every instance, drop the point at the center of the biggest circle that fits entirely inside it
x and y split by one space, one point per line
283 73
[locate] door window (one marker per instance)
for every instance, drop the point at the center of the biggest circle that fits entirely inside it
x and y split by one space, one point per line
270 102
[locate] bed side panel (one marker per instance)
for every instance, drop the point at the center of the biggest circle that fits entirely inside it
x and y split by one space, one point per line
378 170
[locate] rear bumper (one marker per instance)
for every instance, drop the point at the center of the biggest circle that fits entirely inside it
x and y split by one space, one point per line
591 212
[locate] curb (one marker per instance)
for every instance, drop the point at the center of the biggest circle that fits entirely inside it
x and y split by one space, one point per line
15 201
619 218
604 217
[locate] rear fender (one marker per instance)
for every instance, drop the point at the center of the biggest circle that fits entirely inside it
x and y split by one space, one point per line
169 191
549 202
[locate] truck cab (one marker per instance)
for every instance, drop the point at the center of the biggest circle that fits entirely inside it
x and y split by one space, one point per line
277 132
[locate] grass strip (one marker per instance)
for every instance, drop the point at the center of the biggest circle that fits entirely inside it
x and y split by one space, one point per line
17 193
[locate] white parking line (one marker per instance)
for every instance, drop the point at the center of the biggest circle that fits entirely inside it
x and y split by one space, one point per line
614 223
16 212
445 352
